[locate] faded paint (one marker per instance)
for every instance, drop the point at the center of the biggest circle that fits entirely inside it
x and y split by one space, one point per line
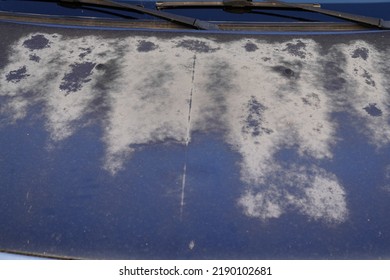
274 96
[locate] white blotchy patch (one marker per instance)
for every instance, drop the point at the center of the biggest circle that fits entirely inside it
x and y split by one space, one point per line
312 192
264 100
366 74
324 199
295 112
264 205
42 85
149 105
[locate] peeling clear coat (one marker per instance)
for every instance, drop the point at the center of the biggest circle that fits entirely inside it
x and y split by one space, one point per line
262 98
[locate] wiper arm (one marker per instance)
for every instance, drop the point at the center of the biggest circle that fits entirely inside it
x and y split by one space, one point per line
377 22
275 4
193 22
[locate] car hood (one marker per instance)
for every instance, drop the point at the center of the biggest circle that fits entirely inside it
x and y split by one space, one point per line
132 144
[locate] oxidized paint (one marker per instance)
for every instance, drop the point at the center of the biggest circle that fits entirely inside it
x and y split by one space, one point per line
280 106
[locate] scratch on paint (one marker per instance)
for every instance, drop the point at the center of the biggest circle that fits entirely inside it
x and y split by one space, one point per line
188 139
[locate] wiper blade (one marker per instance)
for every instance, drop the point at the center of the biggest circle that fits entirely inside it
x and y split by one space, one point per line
275 4
226 3
188 21
377 22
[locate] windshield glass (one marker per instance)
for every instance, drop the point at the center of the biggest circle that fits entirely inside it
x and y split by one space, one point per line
377 8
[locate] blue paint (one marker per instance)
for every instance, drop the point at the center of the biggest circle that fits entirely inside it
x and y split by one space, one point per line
360 168
36 42
78 75
56 198
16 76
79 209
373 110
211 217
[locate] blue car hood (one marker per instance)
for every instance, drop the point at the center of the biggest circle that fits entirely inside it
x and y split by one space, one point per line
131 144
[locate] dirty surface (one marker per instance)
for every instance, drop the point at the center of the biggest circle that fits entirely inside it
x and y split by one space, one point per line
143 146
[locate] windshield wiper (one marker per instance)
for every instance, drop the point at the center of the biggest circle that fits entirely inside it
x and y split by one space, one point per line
275 4
226 3
188 21
377 22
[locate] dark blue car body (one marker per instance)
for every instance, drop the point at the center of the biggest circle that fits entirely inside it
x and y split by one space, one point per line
126 138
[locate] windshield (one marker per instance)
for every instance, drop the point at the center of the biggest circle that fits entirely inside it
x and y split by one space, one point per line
377 8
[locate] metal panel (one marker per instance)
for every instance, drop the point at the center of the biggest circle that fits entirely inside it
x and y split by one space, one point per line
124 144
